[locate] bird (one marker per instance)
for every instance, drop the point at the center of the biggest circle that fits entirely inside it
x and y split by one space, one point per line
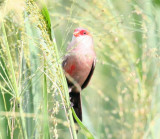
78 65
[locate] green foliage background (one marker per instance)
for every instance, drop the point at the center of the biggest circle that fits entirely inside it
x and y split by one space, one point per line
122 99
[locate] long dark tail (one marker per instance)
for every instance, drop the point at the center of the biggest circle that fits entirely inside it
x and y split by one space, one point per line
76 101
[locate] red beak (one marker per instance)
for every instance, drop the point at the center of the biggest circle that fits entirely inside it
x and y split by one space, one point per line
76 33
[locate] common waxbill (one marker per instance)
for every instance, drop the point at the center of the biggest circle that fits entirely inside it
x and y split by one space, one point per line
79 64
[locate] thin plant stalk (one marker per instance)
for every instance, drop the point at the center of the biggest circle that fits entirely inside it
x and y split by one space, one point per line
10 61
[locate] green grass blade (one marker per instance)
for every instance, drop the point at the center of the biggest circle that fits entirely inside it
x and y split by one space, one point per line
46 16
86 132
46 133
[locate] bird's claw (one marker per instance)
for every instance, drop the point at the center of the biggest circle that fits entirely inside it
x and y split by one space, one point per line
71 104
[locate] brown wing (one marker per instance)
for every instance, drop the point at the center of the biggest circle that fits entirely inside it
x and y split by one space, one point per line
63 64
64 61
90 74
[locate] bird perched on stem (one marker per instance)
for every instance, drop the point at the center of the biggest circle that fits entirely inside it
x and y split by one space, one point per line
79 64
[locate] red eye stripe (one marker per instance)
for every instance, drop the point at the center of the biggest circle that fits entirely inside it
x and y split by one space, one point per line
84 32
80 32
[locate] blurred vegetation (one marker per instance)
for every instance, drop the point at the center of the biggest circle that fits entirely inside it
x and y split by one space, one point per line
122 99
